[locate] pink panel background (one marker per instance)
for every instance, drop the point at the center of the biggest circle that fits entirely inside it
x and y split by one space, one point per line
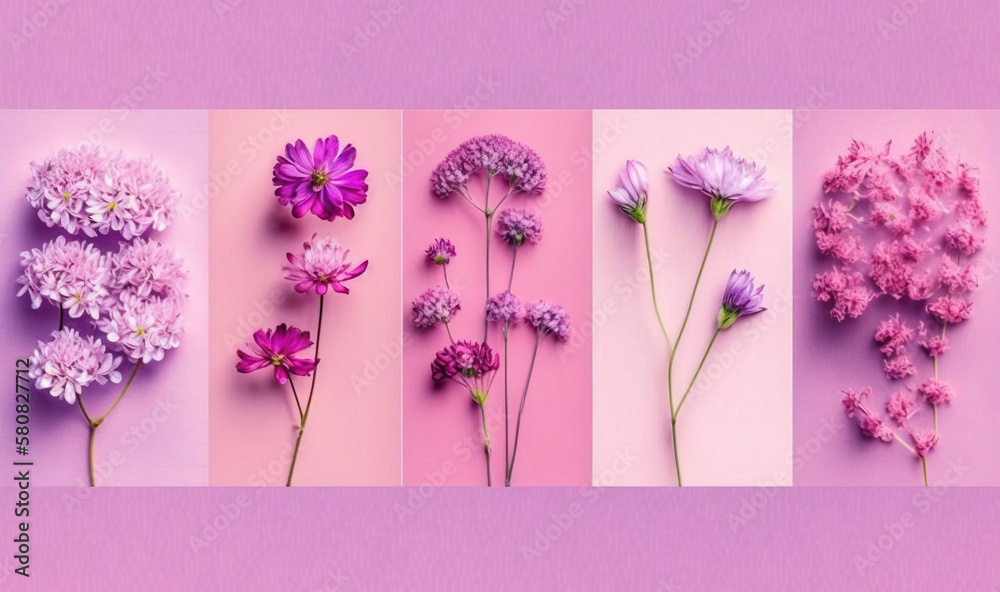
555 446
830 357
160 429
353 431
735 427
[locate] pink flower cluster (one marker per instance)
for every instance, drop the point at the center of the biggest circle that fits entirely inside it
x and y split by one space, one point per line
493 154
68 363
96 191
904 227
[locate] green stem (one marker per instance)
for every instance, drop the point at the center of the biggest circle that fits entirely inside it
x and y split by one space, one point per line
90 454
445 269
704 357
506 419
677 457
447 327
520 411
312 389
513 261
486 446
489 233
100 419
652 287
295 394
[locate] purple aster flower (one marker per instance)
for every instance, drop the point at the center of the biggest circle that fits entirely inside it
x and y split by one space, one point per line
633 185
144 268
322 182
277 349
470 364
546 317
68 363
322 265
504 308
435 305
740 298
515 226
441 251
70 274
143 328
723 177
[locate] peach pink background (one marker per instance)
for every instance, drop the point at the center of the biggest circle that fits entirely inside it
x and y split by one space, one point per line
441 425
831 356
354 427
159 432
735 428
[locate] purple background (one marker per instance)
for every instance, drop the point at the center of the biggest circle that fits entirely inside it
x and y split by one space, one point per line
781 54
831 356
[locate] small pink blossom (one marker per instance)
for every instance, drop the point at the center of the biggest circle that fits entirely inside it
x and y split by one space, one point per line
899 367
848 291
845 248
834 217
936 392
855 400
950 310
873 427
935 346
959 237
924 441
901 407
894 335
956 278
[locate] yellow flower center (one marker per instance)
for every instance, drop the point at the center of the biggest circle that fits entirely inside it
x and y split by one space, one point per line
319 178
111 206
79 298
139 332
65 195
278 359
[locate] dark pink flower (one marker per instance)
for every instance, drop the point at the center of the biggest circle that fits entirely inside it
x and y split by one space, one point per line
924 441
873 427
935 346
936 392
848 291
899 367
470 364
956 278
959 237
277 349
321 182
894 335
440 251
901 407
950 310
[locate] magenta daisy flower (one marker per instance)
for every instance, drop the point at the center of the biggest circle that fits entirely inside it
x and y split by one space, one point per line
322 265
723 177
277 348
321 182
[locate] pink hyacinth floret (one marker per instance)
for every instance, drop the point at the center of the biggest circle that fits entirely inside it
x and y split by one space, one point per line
490 155
924 441
516 226
146 268
894 335
901 407
936 392
546 318
435 305
143 328
73 275
505 308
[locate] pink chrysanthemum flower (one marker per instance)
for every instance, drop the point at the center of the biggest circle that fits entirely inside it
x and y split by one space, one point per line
143 328
144 268
277 348
848 291
547 318
723 177
959 236
935 346
858 165
924 441
956 278
844 248
321 182
833 217
936 392
894 335
505 308
515 226
322 266
61 186
901 407
950 310
435 305
139 197
899 367
69 363
440 251
70 274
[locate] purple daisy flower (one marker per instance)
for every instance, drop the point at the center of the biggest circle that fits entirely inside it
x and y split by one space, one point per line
515 226
322 182
723 177
441 251
322 265
277 348
546 318
633 185
741 298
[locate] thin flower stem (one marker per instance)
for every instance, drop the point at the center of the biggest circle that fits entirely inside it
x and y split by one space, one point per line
696 373
100 419
90 454
312 389
673 352
444 268
652 287
489 236
447 328
513 261
923 461
506 420
62 317
904 444
79 401
291 383
520 411
504 198
935 420
486 446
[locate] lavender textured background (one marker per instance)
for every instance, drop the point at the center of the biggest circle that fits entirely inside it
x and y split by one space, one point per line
594 54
